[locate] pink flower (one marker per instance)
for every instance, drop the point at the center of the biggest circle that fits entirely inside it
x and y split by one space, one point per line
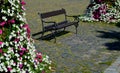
39 57
23 8
23 3
2 23
17 40
21 53
1 50
20 66
23 49
9 69
1 31
1 43
11 21
43 71
27 27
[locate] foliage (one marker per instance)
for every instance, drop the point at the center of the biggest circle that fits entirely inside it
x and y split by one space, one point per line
17 51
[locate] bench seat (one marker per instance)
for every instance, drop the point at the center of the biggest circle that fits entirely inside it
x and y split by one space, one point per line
54 26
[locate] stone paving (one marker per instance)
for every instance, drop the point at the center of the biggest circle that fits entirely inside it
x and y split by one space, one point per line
92 51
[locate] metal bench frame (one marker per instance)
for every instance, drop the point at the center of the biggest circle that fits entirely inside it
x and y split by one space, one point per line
56 26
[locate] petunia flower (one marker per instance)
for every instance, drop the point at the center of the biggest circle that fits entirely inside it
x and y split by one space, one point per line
11 21
27 29
2 23
17 40
9 69
21 53
1 31
23 49
1 43
20 66
1 50
23 8
39 57
43 71
23 3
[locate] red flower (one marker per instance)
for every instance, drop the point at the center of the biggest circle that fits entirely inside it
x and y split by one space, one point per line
9 69
2 23
1 50
1 31
23 2
17 40
22 51
27 29
11 21
39 57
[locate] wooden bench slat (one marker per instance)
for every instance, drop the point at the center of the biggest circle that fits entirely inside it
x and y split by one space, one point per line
53 13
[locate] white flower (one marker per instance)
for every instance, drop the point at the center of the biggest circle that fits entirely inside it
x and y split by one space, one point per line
5 69
7 58
17 6
1 70
13 71
11 14
2 57
28 65
4 18
25 63
17 55
14 64
6 43
3 11
8 10
11 61
13 8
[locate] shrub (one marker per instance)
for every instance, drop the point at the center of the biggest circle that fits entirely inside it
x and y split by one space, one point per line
103 10
17 51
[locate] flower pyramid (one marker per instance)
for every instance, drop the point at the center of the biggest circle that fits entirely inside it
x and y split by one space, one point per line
103 10
17 51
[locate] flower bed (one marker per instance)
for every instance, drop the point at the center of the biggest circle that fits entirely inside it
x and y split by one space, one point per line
17 51
103 10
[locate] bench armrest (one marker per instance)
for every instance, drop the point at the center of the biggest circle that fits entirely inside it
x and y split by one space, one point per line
76 17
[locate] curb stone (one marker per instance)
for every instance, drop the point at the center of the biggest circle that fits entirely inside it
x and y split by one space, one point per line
114 68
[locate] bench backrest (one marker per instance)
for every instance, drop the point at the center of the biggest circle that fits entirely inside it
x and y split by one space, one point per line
52 13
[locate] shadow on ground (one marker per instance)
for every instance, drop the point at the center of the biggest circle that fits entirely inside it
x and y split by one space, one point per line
118 24
50 36
111 35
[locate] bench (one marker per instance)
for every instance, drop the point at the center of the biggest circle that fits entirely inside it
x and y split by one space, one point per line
54 26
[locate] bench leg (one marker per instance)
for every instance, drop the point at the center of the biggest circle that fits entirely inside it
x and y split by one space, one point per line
76 26
54 35
42 34
64 29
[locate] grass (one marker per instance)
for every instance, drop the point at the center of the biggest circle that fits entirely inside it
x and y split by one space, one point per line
56 50
75 7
